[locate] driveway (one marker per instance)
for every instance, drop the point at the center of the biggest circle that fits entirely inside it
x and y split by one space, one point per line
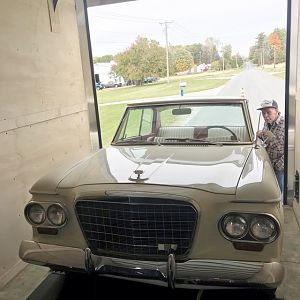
256 86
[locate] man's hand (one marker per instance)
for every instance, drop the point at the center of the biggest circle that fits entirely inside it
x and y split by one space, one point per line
260 134
265 135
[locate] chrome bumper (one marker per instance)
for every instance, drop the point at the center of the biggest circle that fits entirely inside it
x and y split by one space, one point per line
202 274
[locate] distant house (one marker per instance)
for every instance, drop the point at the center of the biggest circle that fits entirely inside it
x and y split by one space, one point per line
103 73
202 68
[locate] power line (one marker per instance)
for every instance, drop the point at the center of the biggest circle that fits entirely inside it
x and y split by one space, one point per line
118 17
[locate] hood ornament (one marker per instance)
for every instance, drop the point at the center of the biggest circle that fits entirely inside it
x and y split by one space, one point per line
138 174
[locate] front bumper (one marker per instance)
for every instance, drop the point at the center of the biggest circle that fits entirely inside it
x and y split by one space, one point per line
202 273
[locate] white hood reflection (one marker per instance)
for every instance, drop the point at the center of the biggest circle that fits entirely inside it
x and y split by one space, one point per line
208 168
211 168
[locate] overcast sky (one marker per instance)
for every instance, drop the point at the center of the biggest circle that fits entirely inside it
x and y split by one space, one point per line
114 27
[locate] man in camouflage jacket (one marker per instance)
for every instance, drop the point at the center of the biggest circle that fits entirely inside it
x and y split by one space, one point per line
273 136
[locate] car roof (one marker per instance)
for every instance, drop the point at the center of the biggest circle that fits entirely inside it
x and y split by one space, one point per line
187 100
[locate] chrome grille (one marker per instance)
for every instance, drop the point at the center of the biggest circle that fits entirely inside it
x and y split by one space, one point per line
137 226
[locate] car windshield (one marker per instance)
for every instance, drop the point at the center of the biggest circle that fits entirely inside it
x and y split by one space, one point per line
183 124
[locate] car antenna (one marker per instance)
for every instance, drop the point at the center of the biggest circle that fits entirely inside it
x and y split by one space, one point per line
256 139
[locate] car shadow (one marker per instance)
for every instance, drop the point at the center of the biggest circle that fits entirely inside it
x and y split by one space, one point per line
61 286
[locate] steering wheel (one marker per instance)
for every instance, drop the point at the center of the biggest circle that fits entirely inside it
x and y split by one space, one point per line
225 128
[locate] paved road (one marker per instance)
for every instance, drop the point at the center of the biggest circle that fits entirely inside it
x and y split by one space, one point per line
256 85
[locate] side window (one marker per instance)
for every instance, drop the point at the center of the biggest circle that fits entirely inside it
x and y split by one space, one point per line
147 120
139 122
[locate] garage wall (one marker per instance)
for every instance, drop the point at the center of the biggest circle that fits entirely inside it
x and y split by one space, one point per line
43 109
295 87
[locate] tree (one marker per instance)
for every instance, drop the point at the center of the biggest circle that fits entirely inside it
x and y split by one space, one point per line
236 61
103 59
260 53
226 56
144 58
280 55
215 65
196 51
275 42
210 52
182 59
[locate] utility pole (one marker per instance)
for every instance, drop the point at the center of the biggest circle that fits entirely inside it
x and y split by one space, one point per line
262 57
223 59
223 62
167 47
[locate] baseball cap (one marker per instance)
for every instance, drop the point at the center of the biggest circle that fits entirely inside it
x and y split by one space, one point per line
268 103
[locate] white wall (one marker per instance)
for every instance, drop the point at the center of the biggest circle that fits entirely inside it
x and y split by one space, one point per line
43 110
296 205
294 88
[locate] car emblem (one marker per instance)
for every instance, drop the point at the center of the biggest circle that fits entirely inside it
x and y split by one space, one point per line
138 178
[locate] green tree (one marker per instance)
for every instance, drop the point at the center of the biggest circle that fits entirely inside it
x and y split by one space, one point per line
263 50
144 58
196 51
237 61
210 52
182 59
226 58
103 59
215 65
260 52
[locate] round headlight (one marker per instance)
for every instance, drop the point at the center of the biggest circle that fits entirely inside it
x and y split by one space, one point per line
263 228
35 213
56 215
235 226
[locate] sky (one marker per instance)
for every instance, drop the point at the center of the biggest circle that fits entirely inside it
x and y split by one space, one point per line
114 27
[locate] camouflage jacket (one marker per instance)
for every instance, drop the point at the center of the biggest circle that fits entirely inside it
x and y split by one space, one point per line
275 146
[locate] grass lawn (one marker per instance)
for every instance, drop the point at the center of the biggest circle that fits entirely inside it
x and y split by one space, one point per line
278 71
195 83
110 115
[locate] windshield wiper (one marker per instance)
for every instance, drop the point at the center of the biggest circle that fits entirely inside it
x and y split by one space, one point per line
139 142
193 141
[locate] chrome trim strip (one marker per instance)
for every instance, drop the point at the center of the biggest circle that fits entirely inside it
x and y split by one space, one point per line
88 261
171 271
190 274
192 269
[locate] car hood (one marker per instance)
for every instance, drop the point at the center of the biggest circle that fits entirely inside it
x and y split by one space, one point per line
202 167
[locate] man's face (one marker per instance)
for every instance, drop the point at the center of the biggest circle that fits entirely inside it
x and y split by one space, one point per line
270 114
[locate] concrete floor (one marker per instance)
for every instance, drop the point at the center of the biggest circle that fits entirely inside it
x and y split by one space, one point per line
30 278
290 287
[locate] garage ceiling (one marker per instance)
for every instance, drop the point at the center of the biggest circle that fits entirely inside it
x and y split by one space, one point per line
103 2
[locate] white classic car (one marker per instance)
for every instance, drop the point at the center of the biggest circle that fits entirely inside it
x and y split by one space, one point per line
184 197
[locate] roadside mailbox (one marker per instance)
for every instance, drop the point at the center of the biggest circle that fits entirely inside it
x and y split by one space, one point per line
182 86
